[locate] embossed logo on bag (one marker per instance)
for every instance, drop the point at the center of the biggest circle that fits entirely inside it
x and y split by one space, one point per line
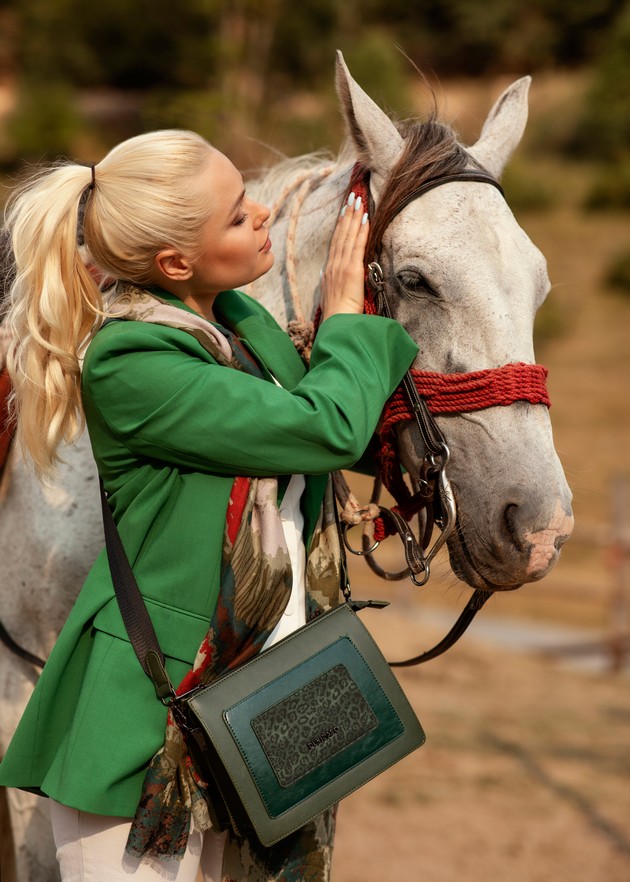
313 724
322 738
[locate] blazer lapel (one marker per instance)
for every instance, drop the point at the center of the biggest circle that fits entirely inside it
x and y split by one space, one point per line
268 341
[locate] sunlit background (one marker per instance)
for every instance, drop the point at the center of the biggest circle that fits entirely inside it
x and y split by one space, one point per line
525 774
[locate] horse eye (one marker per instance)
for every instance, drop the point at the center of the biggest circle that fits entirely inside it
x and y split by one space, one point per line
414 282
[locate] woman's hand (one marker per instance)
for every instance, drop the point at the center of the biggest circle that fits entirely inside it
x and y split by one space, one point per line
342 284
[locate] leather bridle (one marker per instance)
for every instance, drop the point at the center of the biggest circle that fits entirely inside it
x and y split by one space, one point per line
435 494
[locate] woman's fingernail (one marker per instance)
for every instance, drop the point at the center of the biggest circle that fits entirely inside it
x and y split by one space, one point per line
364 219
351 198
343 211
357 204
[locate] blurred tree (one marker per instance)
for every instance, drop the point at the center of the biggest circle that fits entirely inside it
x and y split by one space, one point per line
120 44
480 36
150 43
45 124
245 59
303 44
610 189
381 69
604 131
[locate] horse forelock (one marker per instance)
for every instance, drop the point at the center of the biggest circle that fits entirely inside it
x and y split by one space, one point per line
430 150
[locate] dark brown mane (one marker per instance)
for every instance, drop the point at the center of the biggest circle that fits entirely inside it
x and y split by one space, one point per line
431 150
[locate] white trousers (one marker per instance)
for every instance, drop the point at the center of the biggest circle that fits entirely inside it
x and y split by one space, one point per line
91 848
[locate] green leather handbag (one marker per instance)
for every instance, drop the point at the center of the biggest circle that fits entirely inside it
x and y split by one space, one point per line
292 731
298 727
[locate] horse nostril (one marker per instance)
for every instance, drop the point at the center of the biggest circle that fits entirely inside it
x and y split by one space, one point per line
559 541
537 534
516 535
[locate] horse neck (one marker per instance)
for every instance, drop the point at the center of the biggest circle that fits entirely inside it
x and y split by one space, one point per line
303 218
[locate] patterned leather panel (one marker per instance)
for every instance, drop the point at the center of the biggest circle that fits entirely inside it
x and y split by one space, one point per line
326 715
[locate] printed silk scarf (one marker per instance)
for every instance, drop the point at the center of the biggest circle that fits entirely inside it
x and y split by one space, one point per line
255 587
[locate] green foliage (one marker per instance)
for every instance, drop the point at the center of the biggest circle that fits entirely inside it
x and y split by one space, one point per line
618 274
304 40
120 44
483 36
525 190
45 115
199 110
245 59
381 69
604 131
156 43
611 189
550 324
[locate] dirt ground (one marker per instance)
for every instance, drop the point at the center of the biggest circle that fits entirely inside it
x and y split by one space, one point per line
524 776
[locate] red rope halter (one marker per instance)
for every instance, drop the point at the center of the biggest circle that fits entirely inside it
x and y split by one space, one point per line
454 393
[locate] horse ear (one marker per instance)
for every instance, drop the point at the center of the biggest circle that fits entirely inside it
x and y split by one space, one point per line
375 136
503 128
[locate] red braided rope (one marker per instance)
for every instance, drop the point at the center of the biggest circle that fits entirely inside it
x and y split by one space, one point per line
461 393
454 393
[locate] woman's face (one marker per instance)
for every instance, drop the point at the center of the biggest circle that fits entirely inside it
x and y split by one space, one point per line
235 247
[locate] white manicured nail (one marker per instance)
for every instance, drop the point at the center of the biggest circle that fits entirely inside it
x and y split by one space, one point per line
343 211
364 219
357 204
351 198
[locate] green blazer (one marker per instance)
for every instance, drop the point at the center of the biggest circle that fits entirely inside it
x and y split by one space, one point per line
170 428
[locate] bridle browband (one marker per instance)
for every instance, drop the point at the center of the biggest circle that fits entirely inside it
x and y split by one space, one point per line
479 177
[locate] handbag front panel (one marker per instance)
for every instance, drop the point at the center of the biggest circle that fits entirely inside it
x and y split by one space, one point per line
312 724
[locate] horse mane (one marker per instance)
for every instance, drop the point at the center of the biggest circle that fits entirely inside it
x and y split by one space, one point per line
431 150
265 184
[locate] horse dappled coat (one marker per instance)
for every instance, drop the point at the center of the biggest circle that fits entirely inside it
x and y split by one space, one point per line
170 429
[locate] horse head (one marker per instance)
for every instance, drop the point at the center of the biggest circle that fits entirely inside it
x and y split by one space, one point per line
465 281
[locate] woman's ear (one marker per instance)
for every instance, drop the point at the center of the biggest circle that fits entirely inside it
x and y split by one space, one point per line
172 265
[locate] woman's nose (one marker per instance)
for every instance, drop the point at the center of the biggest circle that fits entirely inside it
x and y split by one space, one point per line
262 214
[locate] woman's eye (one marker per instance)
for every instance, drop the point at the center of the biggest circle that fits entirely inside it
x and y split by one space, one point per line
414 282
240 220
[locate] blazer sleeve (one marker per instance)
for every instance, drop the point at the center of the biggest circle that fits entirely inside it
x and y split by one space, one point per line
158 394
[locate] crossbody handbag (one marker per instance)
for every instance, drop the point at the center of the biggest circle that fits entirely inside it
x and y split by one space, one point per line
292 731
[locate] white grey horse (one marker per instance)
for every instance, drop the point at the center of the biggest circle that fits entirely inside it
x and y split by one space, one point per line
467 282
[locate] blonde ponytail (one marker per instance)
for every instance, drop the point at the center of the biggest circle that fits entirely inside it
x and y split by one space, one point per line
140 198
54 306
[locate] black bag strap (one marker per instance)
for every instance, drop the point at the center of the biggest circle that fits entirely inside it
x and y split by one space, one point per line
132 607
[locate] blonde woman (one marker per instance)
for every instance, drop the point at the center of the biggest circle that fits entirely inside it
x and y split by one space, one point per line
214 444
